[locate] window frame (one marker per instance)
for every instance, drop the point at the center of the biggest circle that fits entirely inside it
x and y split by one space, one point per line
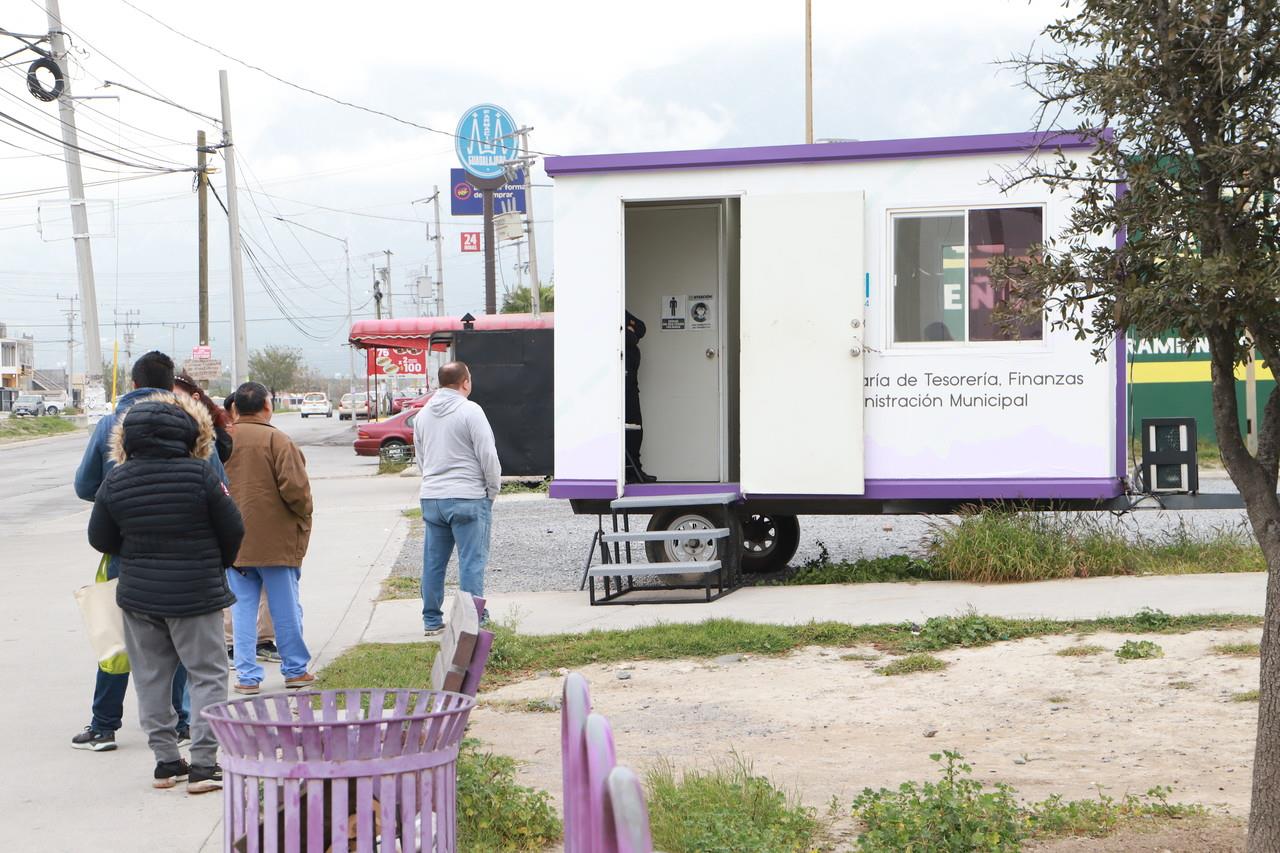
891 286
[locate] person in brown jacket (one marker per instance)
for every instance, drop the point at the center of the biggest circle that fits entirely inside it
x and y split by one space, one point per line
268 475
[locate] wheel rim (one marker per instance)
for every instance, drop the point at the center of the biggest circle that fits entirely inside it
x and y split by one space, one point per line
759 536
694 549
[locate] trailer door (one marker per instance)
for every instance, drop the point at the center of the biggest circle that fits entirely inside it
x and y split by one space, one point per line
802 298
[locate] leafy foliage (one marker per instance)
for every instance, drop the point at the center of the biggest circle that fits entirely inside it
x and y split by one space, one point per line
918 662
494 812
1139 650
520 300
728 808
275 366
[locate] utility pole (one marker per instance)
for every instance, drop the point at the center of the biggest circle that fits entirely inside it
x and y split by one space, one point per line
239 340
808 71
391 302
535 287
377 292
79 213
173 338
129 325
202 224
439 238
71 344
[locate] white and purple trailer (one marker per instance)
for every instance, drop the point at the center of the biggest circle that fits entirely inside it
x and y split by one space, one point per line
821 337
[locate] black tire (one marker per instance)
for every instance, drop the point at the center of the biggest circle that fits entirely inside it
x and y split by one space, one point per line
392 442
689 550
304 414
768 542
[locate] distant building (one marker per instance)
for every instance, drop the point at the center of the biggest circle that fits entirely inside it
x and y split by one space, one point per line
17 360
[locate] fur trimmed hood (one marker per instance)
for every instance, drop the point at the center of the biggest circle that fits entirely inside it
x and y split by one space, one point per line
138 424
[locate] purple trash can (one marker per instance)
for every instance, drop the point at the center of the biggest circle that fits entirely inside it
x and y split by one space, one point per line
312 771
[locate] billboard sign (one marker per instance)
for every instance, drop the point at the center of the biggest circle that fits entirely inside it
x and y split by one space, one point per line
466 200
485 140
390 362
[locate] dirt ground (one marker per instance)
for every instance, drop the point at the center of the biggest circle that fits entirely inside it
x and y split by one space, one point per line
824 726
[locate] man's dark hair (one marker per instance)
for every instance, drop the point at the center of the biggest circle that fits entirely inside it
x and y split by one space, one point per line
153 370
229 402
453 374
251 398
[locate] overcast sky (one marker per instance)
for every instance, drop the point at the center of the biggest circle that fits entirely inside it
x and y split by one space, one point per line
589 77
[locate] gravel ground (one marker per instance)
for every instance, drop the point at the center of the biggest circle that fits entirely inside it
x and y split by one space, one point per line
538 544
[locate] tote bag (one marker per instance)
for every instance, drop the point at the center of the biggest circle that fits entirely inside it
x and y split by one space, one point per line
104 621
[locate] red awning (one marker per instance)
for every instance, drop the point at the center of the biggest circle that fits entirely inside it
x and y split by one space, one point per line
417 332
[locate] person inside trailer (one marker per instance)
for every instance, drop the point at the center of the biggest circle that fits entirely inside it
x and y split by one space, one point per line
635 330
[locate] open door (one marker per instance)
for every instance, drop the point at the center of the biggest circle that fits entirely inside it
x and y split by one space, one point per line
802 298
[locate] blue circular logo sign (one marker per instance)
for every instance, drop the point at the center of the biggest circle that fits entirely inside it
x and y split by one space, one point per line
486 140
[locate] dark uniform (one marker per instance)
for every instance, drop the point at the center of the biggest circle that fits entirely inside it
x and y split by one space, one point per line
635 330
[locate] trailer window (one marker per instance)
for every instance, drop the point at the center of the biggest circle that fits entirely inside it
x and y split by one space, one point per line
942 289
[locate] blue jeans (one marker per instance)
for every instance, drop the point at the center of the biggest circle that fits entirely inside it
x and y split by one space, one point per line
466 522
109 690
281 583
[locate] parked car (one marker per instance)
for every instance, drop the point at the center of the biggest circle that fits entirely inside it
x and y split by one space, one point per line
353 405
395 431
317 403
28 405
52 407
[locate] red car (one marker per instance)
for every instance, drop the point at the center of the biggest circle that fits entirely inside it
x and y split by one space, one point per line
394 431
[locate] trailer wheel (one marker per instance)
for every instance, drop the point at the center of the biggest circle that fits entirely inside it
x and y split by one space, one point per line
692 549
768 542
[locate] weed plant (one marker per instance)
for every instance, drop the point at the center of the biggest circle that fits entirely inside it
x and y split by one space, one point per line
1080 651
727 808
1246 696
960 813
1237 650
1139 650
526 487
821 569
918 662
494 812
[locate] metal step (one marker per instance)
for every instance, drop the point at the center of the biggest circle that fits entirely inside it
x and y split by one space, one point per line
614 570
665 535
639 503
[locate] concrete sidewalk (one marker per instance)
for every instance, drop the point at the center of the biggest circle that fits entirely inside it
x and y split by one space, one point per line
871 603
60 799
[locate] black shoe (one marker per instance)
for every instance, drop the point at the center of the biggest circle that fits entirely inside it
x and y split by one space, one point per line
94 740
184 735
637 475
204 778
268 652
231 652
170 773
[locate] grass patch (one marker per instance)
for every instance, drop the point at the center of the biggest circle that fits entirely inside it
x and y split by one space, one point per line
1082 651
392 466
516 656
20 429
726 808
821 569
1237 650
860 656
1181 685
1207 452
494 812
525 706
959 813
1139 650
415 512
399 586
526 487
1246 696
1058 700
919 662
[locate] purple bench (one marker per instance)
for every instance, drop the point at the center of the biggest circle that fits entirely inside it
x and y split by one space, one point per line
604 805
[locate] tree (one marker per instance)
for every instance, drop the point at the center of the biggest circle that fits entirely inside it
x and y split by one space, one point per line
520 300
1180 97
276 367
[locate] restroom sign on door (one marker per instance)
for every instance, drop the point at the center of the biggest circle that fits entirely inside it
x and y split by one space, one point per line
672 311
470 241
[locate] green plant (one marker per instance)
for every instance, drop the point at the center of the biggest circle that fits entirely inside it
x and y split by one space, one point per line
494 812
898 567
400 586
388 465
17 429
1098 817
1079 651
1149 619
412 513
1181 685
860 656
912 663
1139 650
526 487
1237 650
727 808
953 814
1246 696
968 629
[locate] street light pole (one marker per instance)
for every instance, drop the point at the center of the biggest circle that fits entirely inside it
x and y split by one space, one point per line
346 255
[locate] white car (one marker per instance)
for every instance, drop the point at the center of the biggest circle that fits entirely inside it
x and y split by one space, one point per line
317 403
353 406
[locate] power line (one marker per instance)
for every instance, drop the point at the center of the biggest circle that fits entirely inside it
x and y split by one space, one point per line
302 88
34 131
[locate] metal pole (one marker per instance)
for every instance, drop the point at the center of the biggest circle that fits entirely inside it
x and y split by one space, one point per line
79 214
490 270
391 303
71 341
808 71
202 224
439 238
536 283
239 340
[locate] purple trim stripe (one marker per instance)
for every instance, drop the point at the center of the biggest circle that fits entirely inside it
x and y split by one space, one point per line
1099 488
1122 385
884 149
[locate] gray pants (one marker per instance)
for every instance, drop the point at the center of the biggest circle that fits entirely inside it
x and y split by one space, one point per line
156 645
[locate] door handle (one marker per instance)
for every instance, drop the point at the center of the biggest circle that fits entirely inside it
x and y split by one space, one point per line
711 353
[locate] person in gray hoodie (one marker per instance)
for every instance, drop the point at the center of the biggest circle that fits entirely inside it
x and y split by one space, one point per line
461 475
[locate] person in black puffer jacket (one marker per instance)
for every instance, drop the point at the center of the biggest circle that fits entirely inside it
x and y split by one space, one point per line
171 521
